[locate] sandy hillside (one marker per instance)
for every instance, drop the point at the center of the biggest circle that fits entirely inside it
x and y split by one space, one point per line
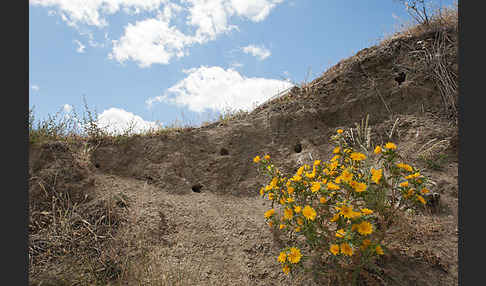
182 207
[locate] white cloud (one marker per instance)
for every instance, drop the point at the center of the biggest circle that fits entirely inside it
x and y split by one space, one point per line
80 48
35 87
161 41
150 41
67 108
211 17
260 52
217 89
254 10
118 121
92 12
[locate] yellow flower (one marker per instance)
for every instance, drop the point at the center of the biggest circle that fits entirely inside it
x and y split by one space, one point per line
347 211
323 200
421 199
256 159
297 229
286 269
270 196
300 171
365 228
270 223
282 257
309 213
269 213
366 211
334 159
390 146
316 186
339 131
366 243
346 176
340 233
294 255
311 175
266 157
335 217
281 226
346 249
288 213
377 150
357 186
274 182
404 184
332 186
297 209
333 165
262 191
356 156
282 201
334 249
290 200
404 166
424 191
376 175
379 250
296 178
290 190
413 176
336 150
300 221
317 162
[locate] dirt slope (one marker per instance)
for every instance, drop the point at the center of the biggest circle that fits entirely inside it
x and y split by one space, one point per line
183 206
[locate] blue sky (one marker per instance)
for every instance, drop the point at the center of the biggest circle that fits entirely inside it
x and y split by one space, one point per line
164 61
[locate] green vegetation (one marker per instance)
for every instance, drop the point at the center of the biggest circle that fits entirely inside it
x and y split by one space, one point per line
340 212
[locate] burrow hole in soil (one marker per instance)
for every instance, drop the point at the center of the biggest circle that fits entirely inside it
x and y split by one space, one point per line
224 152
298 148
196 188
97 166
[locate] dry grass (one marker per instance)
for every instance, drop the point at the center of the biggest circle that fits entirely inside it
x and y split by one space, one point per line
72 242
441 18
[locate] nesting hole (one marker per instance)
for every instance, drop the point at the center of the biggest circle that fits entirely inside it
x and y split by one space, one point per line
298 148
196 188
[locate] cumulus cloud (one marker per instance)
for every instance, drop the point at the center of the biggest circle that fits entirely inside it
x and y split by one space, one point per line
150 41
260 52
161 40
217 89
93 12
117 121
34 87
253 10
80 48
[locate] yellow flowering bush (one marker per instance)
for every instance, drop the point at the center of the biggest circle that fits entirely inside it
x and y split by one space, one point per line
340 210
